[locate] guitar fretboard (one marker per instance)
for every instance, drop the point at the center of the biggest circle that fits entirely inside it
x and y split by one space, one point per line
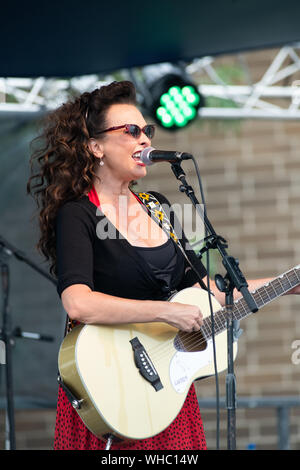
262 296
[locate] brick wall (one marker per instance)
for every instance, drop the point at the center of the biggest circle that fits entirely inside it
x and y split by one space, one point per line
34 429
251 176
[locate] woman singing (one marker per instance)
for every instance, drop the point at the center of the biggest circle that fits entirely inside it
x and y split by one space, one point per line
113 262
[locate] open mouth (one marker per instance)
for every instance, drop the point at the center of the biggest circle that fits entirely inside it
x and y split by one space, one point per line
137 158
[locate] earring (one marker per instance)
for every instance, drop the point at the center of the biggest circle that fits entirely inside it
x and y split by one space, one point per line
101 163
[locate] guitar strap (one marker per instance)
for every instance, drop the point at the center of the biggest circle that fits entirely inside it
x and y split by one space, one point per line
157 212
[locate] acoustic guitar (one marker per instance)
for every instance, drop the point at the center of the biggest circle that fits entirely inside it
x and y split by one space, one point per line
131 380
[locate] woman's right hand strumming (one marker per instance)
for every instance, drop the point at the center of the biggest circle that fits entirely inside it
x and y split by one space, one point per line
184 317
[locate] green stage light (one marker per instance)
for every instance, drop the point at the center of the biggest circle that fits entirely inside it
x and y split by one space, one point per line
175 102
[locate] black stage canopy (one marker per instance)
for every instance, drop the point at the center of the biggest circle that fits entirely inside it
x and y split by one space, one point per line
69 38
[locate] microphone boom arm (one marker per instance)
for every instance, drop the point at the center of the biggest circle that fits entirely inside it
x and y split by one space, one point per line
233 278
234 273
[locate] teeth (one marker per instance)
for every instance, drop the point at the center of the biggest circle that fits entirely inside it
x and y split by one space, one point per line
136 156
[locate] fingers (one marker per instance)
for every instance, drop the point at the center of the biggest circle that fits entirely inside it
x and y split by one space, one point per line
197 322
198 325
185 317
195 328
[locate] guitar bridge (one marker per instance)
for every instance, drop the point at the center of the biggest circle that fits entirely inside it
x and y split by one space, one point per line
145 365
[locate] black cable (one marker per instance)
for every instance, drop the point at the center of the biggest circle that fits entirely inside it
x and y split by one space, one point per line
211 315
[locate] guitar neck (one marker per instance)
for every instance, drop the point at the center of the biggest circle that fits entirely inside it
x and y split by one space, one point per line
262 296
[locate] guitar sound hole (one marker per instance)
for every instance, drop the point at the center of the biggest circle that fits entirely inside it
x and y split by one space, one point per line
190 342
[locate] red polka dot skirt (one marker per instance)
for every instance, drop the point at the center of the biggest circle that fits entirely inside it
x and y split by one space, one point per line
184 433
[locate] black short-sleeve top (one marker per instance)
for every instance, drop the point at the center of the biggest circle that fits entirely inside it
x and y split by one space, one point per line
111 264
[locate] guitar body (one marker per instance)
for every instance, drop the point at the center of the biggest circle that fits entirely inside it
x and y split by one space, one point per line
96 362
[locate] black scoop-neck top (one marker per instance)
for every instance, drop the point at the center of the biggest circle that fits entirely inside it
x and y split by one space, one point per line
111 264
167 267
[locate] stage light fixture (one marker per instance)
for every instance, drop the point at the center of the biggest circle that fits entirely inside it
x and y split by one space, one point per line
175 101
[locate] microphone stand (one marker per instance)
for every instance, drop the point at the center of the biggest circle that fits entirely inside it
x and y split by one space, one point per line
233 279
7 334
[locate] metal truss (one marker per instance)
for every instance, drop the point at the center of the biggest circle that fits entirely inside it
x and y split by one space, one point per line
27 98
266 99
275 96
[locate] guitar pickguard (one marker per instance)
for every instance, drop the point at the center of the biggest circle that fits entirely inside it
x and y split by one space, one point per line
184 365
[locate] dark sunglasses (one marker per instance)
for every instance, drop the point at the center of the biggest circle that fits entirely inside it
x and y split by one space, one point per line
134 130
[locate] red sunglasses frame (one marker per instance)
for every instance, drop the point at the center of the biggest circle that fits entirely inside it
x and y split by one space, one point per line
127 126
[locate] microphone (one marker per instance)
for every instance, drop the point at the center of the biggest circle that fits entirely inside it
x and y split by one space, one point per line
149 156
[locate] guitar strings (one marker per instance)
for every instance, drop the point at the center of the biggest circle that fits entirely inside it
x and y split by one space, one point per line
157 355
196 339
191 340
261 295
187 340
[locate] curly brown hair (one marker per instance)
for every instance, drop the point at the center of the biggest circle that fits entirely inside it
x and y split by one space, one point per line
62 166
